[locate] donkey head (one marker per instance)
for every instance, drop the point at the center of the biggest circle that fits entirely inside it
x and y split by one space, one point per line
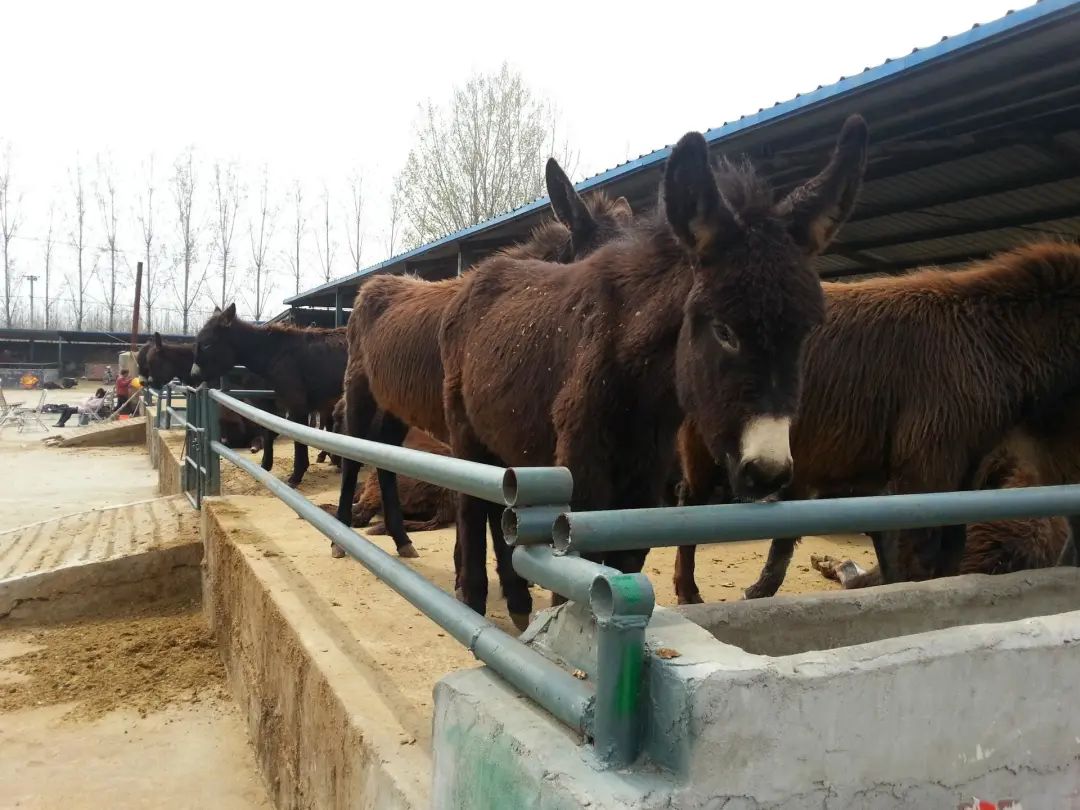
592 222
753 300
215 349
160 363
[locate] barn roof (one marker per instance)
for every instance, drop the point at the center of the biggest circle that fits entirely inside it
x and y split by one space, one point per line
975 146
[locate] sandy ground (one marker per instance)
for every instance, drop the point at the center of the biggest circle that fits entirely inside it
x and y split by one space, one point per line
723 570
100 715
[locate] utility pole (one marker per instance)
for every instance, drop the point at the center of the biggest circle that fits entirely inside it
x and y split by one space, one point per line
135 309
31 279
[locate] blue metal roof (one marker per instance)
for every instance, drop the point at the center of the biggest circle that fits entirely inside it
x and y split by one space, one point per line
1012 24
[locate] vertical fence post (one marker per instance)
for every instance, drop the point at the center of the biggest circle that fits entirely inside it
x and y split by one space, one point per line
622 605
168 405
212 424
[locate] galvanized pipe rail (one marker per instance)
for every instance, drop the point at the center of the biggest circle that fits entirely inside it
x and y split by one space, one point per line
622 529
612 714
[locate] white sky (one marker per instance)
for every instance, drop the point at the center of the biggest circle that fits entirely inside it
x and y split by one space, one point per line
319 89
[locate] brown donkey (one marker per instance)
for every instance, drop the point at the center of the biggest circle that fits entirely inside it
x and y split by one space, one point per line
702 309
911 382
303 366
1032 455
394 362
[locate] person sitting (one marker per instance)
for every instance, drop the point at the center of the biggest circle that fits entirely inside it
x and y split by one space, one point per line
88 406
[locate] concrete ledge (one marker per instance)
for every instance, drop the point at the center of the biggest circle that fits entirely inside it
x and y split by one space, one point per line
784 625
104 587
168 462
111 434
323 735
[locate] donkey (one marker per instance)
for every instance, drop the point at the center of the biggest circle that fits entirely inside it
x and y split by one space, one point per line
701 309
303 366
911 382
394 360
160 363
1041 454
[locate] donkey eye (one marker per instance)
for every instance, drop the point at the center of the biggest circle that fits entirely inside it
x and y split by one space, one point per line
725 337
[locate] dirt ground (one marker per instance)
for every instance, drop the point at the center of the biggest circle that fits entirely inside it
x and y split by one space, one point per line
130 711
723 569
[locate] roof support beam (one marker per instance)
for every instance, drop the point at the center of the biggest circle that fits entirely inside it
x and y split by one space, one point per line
961 226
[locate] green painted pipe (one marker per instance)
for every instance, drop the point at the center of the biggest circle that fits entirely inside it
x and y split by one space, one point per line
621 529
568 699
523 486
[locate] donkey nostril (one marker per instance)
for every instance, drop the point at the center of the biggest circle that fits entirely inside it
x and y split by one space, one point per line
764 477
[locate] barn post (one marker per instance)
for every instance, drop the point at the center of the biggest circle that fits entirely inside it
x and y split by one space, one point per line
339 319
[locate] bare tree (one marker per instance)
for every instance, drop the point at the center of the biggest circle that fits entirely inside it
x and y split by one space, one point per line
261 235
297 232
227 192
481 156
151 281
105 191
9 225
395 217
49 242
183 189
323 244
83 273
355 233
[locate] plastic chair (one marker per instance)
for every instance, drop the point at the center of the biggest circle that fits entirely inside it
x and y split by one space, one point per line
102 414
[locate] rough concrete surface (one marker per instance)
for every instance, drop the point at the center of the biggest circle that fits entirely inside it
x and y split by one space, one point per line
790 624
100 561
329 729
920 720
109 434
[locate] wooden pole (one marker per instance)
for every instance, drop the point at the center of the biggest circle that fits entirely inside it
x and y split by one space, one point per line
135 309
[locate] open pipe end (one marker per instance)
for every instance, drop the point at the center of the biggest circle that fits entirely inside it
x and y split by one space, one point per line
510 526
560 533
601 599
510 487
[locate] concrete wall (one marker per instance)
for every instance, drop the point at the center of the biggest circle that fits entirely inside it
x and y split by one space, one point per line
323 738
905 712
168 463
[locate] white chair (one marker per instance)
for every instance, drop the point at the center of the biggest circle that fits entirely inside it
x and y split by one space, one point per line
31 417
102 414
7 408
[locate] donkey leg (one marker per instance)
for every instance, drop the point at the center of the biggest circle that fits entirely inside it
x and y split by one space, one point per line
268 450
953 543
772 575
300 456
686 589
472 519
514 587
359 411
391 430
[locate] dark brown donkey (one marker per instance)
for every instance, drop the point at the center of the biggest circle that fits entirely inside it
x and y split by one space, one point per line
394 361
702 309
160 363
912 381
303 366
1033 455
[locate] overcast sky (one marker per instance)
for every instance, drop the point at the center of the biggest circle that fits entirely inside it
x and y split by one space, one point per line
318 89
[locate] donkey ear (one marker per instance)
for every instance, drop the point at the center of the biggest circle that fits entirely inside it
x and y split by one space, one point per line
621 210
818 207
229 314
217 310
692 202
567 204
157 339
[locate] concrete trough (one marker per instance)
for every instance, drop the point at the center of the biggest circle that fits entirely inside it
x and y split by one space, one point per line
911 695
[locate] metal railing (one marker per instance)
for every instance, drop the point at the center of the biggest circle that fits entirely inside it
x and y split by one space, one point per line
547 538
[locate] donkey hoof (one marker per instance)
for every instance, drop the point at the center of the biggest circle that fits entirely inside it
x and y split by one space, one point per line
408 550
336 551
760 590
293 483
692 599
520 620
459 594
